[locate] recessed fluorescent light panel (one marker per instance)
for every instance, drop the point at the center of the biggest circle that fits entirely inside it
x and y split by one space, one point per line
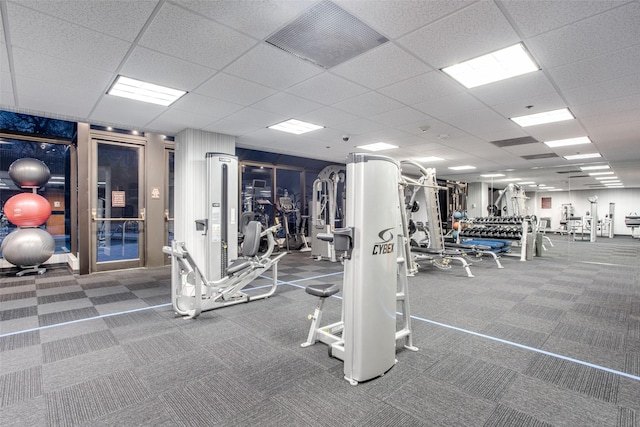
428 159
542 118
492 175
526 183
606 178
127 87
595 167
582 156
296 127
600 173
461 168
492 67
378 146
566 142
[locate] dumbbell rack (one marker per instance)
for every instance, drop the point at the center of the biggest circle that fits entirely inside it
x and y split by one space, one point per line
514 228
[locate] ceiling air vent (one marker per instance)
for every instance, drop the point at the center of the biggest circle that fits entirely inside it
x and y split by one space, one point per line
540 156
326 35
573 171
514 141
579 176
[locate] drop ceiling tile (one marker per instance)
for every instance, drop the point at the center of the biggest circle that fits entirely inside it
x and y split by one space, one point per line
609 106
59 72
528 149
256 18
328 116
6 88
186 35
470 32
43 34
121 19
174 121
423 88
125 112
154 67
483 122
233 89
272 67
518 89
437 131
555 131
435 149
385 65
287 105
599 69
388 135
575 42
449 105
625 117
401 116
394 19
368 104
536 17
359 126
548 101
39 95
426 149
245 121
603 91
214 108
327 89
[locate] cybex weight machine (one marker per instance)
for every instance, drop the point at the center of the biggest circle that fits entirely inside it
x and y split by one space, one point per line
220 282
375 273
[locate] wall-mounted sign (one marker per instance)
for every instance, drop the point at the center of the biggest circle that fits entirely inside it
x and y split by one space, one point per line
118 199
155 193
546 202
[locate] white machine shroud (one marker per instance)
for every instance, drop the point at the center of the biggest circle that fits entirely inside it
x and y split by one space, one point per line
370 281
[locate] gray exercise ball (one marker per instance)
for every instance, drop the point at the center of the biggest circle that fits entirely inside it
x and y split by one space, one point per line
29 172
28 247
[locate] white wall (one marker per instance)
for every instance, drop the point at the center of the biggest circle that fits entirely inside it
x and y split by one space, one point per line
478 195
627 200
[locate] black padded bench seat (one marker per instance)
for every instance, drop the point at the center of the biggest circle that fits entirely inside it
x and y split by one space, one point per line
323 290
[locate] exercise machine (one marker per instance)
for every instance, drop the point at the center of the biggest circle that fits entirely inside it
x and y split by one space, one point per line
514 199
211 275
423 211
295 240
326 210
632 221
375 273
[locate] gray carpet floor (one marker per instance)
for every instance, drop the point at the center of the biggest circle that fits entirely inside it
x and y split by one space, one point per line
554 341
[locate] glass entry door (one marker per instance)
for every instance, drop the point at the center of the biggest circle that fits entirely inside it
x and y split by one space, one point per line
118 206
169 205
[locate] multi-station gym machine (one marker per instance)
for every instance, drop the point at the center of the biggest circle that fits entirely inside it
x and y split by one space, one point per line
375 272
326 210
210 274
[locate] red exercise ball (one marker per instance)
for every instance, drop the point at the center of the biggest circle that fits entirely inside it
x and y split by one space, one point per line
27 210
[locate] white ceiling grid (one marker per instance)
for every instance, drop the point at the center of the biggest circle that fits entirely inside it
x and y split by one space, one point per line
63 55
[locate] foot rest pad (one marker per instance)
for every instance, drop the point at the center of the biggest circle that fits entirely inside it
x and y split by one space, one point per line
323 290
